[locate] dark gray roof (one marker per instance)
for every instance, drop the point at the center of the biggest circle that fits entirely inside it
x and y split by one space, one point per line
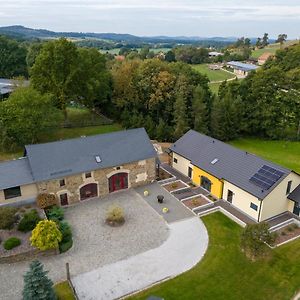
295 194
14 173
63 158
233 165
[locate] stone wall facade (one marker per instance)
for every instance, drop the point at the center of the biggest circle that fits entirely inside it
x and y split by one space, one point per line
139 173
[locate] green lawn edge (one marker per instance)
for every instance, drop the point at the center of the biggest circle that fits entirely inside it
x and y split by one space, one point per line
225 272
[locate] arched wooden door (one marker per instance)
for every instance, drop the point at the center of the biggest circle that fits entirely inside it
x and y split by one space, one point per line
88 191
118 182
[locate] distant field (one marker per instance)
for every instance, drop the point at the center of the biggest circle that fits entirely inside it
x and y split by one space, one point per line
257 53
272 48
284 153
116 50
213 75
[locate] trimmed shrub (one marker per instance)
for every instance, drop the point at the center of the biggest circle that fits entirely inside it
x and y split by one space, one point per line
7 217
55 213
64 247
46 235
45 200
115 215
67 241
29 221
12 243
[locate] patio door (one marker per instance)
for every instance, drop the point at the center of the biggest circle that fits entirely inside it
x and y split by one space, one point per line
229 196
118 182
205 183
296 210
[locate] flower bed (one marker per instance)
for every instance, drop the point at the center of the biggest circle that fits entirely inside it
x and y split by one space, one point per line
286 233
174 186
195 202
163 174
27 216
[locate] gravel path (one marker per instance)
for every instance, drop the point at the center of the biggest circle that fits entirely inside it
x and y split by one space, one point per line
95 243
183 249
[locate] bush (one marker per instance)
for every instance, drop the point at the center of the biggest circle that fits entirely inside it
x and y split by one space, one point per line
55 214
195 202
46 235
12 243
115 215
29 221
254 238
7 217
65 246
67 241
45 200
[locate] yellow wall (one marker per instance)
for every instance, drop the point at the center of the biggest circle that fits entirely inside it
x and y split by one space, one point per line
217 184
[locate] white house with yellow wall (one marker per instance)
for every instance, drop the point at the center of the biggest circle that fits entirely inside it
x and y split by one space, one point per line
257 187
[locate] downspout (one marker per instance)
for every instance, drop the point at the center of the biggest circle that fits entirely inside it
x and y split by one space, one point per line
259 210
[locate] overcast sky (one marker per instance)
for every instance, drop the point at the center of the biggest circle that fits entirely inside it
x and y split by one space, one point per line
157 17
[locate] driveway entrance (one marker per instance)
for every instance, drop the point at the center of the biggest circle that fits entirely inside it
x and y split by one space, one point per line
88 191
118 182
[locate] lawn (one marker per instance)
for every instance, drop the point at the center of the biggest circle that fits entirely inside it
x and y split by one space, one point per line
214 87
257 53
285 153
80 117
63 291
225 272
117 50
213 75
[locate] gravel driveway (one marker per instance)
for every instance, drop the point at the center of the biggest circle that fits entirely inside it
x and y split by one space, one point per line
95 243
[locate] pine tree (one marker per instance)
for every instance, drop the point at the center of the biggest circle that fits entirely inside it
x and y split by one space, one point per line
226 117
180 116
37 286
200 112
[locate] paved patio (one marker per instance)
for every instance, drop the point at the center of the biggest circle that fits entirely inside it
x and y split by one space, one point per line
183 249
177 211
95 244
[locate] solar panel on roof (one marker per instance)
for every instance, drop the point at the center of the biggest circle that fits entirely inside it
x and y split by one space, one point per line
266 177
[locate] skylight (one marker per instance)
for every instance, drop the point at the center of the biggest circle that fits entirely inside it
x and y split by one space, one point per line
214 161
98 159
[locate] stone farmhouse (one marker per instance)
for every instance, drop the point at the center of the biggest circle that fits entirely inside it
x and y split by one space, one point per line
258 188
78 169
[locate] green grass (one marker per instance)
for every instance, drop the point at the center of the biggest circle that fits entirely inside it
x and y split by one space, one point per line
80 117
63 291
213 75
285 153
257 53
117 50
214 87
225 272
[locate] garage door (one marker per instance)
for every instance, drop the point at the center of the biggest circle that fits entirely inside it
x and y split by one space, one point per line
88 191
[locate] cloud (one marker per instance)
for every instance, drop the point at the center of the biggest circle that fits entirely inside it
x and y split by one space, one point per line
156 16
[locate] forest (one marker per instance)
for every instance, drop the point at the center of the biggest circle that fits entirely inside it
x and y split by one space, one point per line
166 97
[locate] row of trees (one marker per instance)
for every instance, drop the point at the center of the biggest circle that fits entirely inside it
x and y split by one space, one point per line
267 102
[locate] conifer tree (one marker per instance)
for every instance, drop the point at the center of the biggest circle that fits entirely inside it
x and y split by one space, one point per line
37 286
200 112
180 116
